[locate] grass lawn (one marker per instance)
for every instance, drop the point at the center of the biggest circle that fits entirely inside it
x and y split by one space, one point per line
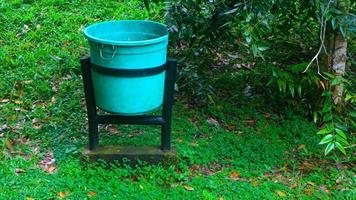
235 148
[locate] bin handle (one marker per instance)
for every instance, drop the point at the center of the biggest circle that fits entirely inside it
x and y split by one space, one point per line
114 48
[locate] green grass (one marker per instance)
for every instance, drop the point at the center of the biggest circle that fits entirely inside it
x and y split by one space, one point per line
42 104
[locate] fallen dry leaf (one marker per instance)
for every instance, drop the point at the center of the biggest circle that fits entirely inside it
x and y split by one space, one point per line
53 99
18 102
267 115
206 171
25 29
234 175
322 84
135 133
51 169
194 144
212 121
307 167
324 188
47 163
112 128
340 166
195 167
43 104
211 169
23 140
29 198
294 186
311 183
62 194
36 120
179 140
19 171
37 126
188 188
9 145
255 184
3 127
92 193
302 146
250 122
28 81
339 179
236 66
247 65
281 194
308 192
231 128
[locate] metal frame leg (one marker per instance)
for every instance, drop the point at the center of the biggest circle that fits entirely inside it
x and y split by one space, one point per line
90 103
94 119
168 104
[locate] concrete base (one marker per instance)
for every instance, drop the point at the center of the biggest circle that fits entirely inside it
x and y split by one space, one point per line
130 155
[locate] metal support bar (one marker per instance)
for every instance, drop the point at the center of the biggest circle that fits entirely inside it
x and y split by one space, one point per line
90 102
164 121
168 104
141 120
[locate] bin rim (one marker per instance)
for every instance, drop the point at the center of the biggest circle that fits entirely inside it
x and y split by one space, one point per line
99 40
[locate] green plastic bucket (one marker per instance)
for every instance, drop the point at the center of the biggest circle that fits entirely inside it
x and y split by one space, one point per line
128 45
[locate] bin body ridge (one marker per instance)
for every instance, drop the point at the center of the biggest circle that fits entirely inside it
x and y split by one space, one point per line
128 45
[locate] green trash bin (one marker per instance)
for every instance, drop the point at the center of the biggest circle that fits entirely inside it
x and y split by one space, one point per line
130 46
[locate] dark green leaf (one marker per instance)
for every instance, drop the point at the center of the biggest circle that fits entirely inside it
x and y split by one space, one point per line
254 50
327 117
291 88
299 87
262 48
326 139
340 147
230 12
326 93
315 117
329 147
335 81
326 107
331 76
323 131
341 133
330 127
281 85
298 68
341 126
333 24
274 73
342 30
342 140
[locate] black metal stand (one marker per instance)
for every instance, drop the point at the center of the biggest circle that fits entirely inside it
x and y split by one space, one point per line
164 120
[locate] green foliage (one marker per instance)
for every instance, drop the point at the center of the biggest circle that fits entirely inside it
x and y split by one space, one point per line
196 22
291 28
253 151
337 120
339 14
336 125
291 81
